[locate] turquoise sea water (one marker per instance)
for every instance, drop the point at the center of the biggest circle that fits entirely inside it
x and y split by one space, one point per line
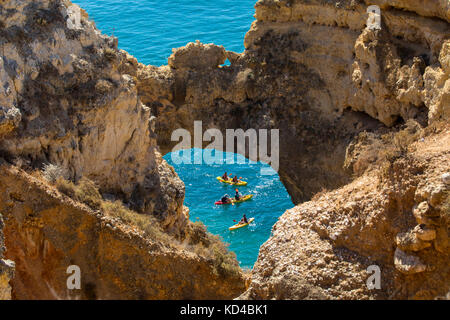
202 190
149 29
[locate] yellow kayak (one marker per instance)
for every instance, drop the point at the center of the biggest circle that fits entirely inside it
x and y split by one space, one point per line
229 181
243 198
237 226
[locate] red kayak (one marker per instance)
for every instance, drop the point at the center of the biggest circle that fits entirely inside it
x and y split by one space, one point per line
244 198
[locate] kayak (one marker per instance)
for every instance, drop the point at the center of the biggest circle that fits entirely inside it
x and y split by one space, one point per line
243 198
237 226
229 181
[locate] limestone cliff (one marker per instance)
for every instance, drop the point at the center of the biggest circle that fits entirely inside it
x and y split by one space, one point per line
314 70
389 72
69 102
68 99
6 268
322 248
46 232
395 218
339 92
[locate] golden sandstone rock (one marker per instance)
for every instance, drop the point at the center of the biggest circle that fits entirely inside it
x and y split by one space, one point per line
309 62
69 97
6 268
408 264
368 190
117 261
187 57
425 233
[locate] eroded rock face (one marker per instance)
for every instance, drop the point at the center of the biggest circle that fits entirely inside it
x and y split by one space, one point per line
68 97
116 260
313 70
323 248
440 8
390 67
6 268
187 57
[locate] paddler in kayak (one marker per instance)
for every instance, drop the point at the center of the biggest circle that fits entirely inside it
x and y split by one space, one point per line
243 220
235 179
225 199
225 176
237 196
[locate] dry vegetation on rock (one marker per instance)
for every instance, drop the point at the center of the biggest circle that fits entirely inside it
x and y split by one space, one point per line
196 238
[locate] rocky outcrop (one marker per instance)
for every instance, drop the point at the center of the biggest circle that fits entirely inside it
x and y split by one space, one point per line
6 268
440 9
212 56
388 68
68 98
324 248
116 260
313 70
317 72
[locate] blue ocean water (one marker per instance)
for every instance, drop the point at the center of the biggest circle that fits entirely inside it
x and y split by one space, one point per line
149 29
202 190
